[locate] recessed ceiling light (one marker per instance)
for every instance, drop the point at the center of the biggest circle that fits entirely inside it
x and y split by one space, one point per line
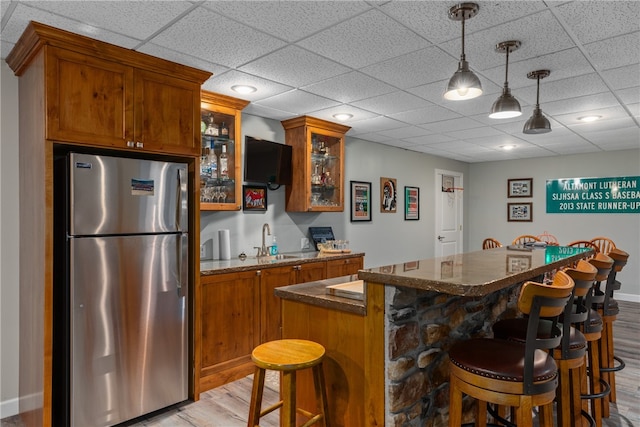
243 89
342 116
508 147
588 119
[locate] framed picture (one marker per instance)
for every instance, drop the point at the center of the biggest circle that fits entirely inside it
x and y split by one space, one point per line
518 263
413 265
520 212
447 183
254 197
388 195
411 203
360 201
520 187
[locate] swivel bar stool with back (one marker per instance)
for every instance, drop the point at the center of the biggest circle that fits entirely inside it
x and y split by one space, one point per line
609 312
510 373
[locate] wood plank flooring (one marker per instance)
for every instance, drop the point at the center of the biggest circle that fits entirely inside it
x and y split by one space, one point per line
228 406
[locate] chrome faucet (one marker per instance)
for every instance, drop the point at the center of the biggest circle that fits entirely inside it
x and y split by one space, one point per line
264 251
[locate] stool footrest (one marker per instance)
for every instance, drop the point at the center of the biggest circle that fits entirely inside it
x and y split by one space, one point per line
494 413
271 408
620 366
589 418
604 393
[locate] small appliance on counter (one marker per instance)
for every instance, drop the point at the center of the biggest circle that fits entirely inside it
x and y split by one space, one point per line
321 235
325 241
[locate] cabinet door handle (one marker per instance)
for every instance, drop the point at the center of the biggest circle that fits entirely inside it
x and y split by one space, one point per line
258 272
139 144
130 144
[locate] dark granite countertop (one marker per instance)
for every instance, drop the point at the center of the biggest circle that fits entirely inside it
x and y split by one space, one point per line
475 273
314 293
209 267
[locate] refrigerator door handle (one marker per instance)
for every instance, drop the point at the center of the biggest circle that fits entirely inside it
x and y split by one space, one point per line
181 200
181 261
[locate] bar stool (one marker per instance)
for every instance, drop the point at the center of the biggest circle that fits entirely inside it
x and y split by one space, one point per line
594 387
604 244
490 243
288 356
570 354
510 373
609 312
525 238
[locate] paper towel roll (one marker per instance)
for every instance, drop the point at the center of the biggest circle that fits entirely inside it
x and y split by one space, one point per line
224 244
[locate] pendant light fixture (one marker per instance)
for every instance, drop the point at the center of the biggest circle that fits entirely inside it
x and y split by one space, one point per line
537 123
506 106
464 84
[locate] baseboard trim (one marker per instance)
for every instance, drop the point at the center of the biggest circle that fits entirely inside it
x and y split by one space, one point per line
627 297
9 408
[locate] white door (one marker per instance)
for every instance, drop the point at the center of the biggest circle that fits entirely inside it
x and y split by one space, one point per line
449 213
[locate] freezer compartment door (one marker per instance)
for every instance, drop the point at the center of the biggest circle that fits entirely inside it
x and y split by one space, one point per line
115 195
128 327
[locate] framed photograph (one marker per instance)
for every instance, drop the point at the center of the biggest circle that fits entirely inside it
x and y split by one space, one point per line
413 265
388 195
254 197
447 183
520 187
520 212
518 263
360 201
411 203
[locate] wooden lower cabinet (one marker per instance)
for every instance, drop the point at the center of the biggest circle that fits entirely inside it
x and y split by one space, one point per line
230 327
240 311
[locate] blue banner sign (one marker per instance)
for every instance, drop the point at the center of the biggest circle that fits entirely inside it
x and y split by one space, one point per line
594 195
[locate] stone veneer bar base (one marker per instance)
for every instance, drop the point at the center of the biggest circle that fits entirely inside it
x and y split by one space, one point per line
421 326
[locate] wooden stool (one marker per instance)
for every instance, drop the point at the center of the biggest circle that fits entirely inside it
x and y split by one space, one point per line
510 373
609 312
288 356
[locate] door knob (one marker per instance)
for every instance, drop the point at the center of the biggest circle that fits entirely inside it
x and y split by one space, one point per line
441 238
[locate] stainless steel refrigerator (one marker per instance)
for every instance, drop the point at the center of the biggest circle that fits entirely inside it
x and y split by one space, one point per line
126 274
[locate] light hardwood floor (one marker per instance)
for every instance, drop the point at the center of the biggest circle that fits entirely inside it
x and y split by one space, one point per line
228 406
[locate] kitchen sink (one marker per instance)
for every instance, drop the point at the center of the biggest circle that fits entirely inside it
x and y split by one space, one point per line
279 257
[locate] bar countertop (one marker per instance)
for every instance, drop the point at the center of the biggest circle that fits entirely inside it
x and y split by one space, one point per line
475 273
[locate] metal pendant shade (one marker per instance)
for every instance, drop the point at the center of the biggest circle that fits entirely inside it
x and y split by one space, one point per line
537 123
506 106
464 84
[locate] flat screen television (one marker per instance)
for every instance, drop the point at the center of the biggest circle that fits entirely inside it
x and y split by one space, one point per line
266 162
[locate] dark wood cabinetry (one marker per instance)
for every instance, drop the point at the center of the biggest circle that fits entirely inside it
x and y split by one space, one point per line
240 311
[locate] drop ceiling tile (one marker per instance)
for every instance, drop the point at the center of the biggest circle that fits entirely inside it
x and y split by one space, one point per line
551 90
288 20
5 48
181 58
429 139
217 39
498 141
619 138
23 14
480 46
415 68
474 133
358 114
445 126
374 137
221 83
577 147
405 132
375 124
623 77
297 102
303 67
365 39
429 114
392 103
618 120
597 20
130 18
270 113
630 95
615 52
635 109
581 104
348 87
565 64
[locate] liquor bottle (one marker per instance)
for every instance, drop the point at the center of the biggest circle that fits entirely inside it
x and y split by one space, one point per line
212 128
224 130
213 163
223 166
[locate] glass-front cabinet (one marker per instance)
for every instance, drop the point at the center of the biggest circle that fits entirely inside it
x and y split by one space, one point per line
221 159
317 163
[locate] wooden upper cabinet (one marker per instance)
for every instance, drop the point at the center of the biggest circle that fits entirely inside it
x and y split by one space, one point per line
317 163
103 95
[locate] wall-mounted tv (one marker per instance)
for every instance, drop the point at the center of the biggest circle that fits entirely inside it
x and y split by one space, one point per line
266 161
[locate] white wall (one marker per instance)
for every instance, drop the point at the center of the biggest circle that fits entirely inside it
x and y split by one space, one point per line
487 205
9 241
